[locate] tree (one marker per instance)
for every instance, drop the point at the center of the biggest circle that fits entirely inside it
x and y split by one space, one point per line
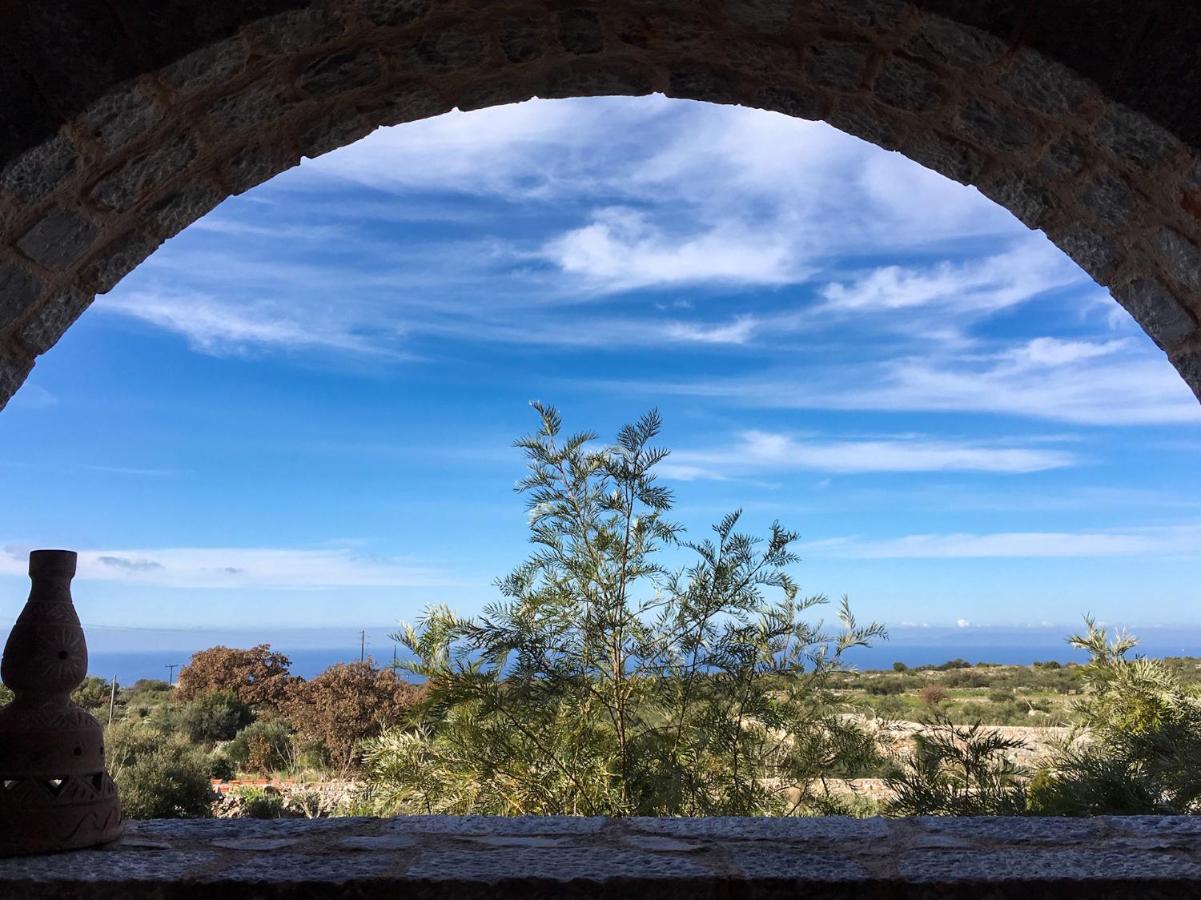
212 717
1140 752
959 770
346 704
263 747
605 683
258 676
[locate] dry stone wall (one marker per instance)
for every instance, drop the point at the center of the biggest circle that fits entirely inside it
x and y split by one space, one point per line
120 124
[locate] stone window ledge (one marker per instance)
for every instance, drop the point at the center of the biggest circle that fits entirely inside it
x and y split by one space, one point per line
469 857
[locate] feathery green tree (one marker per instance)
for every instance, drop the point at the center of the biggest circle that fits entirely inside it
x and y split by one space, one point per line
604 682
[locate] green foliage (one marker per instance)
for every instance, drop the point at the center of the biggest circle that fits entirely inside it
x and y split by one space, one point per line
159 776
1141 752
957 770
260 803
214 717
604 683
93 695
263 746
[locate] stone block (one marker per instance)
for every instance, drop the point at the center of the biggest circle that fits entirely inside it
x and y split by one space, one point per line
206 67
469 826
53 318
949 43
495 92
335 127
767 16
254 164
118 259
1041 84
1180 258
1064 158
774 864
446 51
175 212
1012 829
1027 200
13 372
346 70
1093 252
831 829
394 12
838 64
1109 199
908 85
580 32
802 103
523 38
37 172
701 82
307 868
945 155
125 187
1063 867
299 29
875 14
121 116
993 128
585 78
250 110
19 288
1133 138
564 864
59 238
864 121
408 102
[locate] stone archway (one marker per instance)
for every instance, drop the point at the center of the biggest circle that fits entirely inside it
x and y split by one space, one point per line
122 123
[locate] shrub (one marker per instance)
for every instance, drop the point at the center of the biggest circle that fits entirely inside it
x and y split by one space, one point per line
346 704
259 803
158 776
958 771
93 695
933 694
263 746
882 687
1143 752
214 717
900 667
257 677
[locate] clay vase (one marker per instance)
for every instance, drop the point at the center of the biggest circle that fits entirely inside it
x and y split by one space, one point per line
55 793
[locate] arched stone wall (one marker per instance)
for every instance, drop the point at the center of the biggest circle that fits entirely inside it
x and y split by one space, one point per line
123 122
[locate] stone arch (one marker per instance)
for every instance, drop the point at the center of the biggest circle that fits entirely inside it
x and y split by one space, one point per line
120 124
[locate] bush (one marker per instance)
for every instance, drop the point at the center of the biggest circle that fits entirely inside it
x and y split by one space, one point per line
346 704
158 776
264 746
258 676
900 667
93 695
1143 753
259 803
882 687
214 717
933 694
958 771
221 767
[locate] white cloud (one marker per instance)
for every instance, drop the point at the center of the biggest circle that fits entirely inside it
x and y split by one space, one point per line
759 451
242 567
963 623
1081 382
1157 541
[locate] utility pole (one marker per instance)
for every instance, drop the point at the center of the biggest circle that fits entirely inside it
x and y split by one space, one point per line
112 700
171 672
363 645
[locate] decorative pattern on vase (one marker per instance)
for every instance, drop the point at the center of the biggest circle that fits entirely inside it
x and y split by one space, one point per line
55 793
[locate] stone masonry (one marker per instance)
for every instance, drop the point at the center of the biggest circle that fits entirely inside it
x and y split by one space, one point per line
121 123
420 857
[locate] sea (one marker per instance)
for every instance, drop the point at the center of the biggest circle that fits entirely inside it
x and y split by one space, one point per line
131 654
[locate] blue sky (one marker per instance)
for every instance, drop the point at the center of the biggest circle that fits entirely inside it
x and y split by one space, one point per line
300 410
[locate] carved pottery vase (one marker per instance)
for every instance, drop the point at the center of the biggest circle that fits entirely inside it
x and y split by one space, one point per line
55 793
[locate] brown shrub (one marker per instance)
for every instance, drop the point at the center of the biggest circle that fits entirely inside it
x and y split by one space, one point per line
347 703
257 677
933 694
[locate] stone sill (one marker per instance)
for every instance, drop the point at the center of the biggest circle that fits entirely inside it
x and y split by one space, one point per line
469 857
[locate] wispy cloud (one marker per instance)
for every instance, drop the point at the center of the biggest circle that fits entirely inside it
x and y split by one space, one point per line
1155 541
244 568
1081 382
758 451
